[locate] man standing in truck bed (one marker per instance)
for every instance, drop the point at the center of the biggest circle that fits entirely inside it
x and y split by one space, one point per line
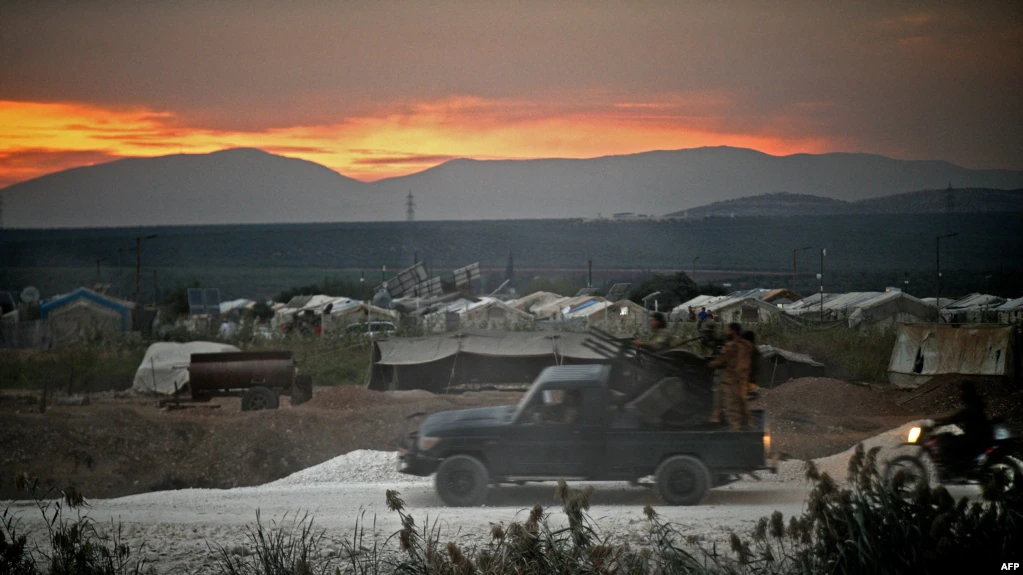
736 359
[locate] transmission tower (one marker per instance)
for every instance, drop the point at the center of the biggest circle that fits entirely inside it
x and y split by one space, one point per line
1 212
410 207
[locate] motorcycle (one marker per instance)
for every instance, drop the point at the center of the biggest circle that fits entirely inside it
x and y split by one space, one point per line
996 459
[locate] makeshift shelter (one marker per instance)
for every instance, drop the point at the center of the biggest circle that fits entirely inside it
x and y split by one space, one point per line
776 366
82 314
890 308
357 312
473 357
622 315
745 310
535 299
165 365
1011 312
556 309
494 313
925 350
974 308
781 297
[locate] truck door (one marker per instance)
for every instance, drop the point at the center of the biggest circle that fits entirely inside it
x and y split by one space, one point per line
566 441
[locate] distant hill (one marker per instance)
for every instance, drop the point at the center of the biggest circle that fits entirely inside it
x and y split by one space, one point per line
970 200
251 186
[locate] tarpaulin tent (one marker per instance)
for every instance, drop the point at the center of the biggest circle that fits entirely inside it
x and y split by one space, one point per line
925 350
82 314
890 308
776 366
165 365
473 357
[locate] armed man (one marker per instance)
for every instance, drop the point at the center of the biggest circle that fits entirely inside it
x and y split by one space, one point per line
659 339
736 359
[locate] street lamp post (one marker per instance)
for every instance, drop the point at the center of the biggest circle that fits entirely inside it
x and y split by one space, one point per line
937 260
138 264
694 268
794 252
362 285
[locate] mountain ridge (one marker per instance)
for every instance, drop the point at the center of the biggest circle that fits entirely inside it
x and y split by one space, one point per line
250 185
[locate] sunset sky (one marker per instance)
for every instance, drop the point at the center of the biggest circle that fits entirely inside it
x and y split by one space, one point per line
378 89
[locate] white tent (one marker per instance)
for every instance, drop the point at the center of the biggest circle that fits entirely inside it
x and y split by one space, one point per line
925 350
165 365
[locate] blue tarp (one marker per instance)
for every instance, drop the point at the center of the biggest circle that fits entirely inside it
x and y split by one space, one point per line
121 307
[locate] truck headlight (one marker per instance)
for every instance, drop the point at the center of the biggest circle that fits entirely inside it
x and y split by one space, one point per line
425 443
914 434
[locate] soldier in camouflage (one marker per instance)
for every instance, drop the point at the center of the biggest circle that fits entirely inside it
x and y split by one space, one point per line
736 360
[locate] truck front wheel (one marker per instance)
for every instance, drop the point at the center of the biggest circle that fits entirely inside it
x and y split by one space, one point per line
258 398
462 481
682 480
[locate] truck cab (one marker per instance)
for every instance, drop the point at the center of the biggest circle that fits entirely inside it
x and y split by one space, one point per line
567 427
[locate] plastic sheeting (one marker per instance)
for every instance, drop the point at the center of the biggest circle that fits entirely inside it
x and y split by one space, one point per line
165 365
410 351
923 351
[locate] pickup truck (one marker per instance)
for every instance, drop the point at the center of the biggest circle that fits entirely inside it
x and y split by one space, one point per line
567 427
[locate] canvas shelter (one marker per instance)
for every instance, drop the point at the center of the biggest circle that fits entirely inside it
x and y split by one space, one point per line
1011 312
535 299
925 350
83 313
615 316
472 357
776 366
890 308
164 368
744 310
781 296
974 308
354 312
556 309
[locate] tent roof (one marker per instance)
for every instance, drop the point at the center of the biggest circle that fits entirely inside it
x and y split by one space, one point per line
975 300
781 293
535 298
86 293
1012 305
410 351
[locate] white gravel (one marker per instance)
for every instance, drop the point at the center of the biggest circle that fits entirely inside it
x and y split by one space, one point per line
360 466
837 466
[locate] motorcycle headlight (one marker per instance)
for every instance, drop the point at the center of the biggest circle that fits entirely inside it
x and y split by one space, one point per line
914 434
1001 432
425 443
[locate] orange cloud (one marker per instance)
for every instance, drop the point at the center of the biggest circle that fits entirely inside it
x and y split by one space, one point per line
38 138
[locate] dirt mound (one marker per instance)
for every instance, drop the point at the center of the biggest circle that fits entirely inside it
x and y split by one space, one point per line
940 396
122 446
815 396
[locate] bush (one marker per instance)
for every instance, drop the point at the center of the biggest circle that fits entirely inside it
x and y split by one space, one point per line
869 527
76 547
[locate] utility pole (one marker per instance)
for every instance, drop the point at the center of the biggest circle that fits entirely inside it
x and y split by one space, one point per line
694 269
98 260
937 261
156 291
120 279
794 272
589 276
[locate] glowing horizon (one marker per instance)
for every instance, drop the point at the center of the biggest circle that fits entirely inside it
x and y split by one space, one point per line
42 138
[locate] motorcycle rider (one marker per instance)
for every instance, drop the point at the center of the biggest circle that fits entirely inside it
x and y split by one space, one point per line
960 450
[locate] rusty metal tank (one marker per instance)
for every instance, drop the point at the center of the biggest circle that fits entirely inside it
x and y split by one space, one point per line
211 372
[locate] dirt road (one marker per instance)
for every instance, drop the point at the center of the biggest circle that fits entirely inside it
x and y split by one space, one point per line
177 525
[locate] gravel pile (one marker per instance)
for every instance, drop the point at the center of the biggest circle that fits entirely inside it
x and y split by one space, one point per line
360 466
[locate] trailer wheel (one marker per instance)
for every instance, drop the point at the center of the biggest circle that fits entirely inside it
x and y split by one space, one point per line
258 398
682 480
462 481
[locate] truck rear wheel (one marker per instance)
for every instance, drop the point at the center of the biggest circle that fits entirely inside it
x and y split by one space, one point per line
462 481
259 397
682 480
